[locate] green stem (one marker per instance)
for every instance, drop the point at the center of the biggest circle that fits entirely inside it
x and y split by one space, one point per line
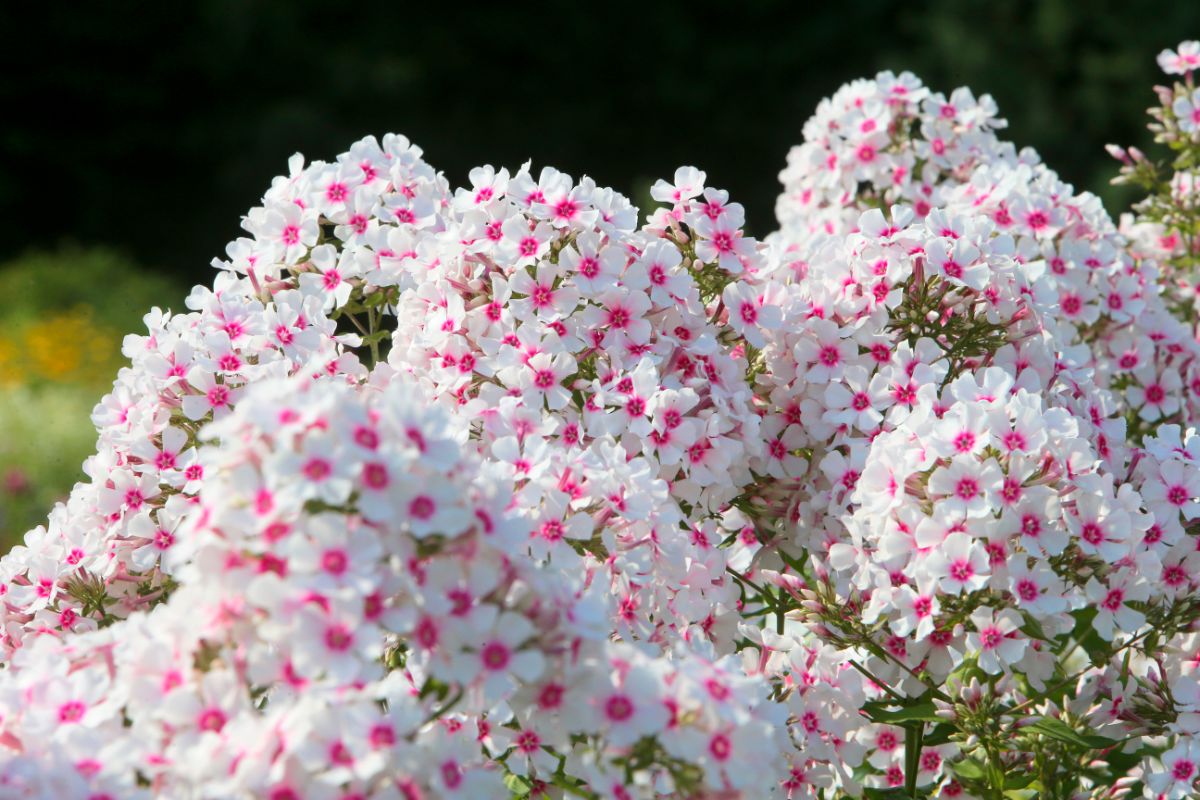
914 739
372 322
995 774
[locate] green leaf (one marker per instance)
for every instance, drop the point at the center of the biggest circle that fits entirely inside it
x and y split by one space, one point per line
1021 794
969 768
1018 780
918 712
939 734
517 785
1057 729
377 336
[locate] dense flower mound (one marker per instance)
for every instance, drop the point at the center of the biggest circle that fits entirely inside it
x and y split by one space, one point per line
892 140
331 636
501 491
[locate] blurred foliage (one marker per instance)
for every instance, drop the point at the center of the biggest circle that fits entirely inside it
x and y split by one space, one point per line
61 325
174 117
45 434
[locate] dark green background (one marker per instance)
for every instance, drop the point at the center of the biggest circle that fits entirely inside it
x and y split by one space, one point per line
153 127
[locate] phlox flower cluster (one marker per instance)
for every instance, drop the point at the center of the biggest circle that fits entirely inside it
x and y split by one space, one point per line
946 468
352 621
1161 227
503 491
893 140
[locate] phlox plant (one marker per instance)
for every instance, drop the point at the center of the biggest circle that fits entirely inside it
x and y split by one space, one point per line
508 490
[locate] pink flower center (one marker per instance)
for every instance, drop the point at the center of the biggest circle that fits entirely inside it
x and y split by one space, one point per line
336 192
71 711
340 754
720 747
427 633
618 708
1113 600
1031 526
375 476
542 296
566 209
1027 590
551 530
528 742
211 719
1091 533
723 242
422 507
382 735
317 469
961 570
338 638
967 489
334 561
366 438
829 356
134 499
451 774
618 318
495 656
218 396
990 638
1014 441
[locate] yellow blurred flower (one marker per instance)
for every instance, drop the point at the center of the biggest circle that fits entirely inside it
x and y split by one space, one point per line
66 347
